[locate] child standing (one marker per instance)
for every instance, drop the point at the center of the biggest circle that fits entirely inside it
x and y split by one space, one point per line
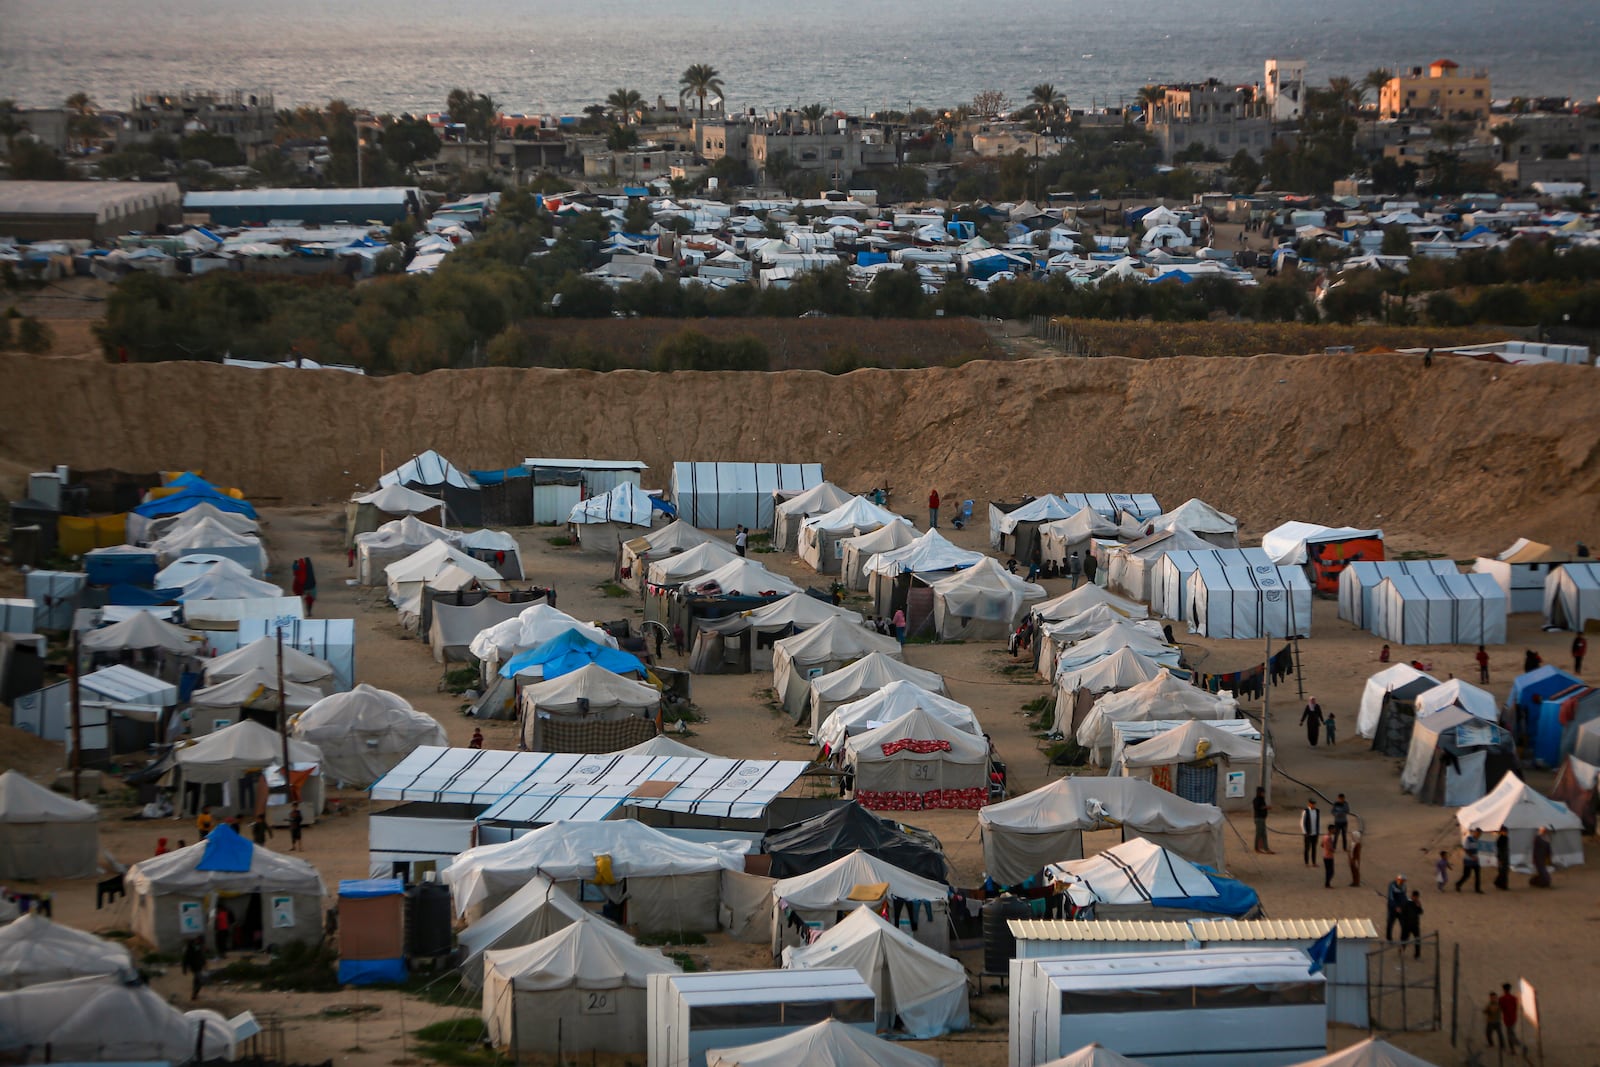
1327 726
1441 869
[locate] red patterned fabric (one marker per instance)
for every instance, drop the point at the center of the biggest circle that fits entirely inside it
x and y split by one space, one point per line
905 800
921 748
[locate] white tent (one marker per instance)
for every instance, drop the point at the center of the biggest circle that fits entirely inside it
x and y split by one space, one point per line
1242 603
140 631
858 551
927 554
44 834
395 541
1082 599
531 628
925 990
565 977
829 1043
431 565
1076 533
1452 757
918 761
666 882
1095 1055
1022 835
1439 609
364 733
1163 697
719 496
1455 693
262 654
692 563
1112 638
224 580
865 676
165 525
1380 685
185 570
884 706
256 687
1169 582
34 950
1572 595
822 536
211 537
1202 520
794 613
175 892
1515 806
399 501
662 745
817 897
486 544
1076 689
672 539
1196 760
827 647
1372 1052
586 710
1130 569
228 755
1129 875
982 602
1359 580
104 1019
532 913
788 515
741 576
1047 508
429 468
1052 637
1286 544
625 504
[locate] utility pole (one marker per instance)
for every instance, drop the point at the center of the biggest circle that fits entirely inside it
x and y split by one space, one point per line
1266 705
283 725
77 717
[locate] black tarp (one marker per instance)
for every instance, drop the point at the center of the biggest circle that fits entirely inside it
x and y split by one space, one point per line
803 847
1399 714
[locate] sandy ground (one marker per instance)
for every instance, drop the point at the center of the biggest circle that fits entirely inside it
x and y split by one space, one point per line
1543 936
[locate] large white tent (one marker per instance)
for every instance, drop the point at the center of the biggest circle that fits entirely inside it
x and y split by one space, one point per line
257 688
1241 603
1169 583
1077 689
1021 836
1572 596
186 570
1517 808
794 613
103 1019
692 563
926 991
721 495
439 564
34 950
1287 544
1439 609
139 632
981 602
1060 538
918 761
822 536
829 1043
1117 636
929 553
865 676
1371 1052
1163 697
789 514
544 997
1203 520
226 756
817 898
605 523
394 541
1197 760
44 834
742 576
673 539
858 551
833 644
211 537
1130 569
262 654
1081 599
532 913
1379 686
586 710
1052 637
1361 579
364 733
1479 703
1128 876
367 511
898 698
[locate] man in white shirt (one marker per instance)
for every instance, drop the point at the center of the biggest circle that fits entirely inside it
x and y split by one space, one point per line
1310 830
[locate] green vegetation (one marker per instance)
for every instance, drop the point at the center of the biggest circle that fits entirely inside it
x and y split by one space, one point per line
613 590
297 968
673 937
456 1043
461 679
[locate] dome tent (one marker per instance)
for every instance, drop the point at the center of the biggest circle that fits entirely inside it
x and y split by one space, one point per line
263 653
819 898
829 1043
103 1019
44 834
835 643
364 733
897 699
862 678
34 950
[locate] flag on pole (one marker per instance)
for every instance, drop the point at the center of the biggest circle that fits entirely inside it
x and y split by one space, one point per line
1324 950
1530 1002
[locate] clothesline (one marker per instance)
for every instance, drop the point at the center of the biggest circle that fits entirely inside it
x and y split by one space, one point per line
1252 681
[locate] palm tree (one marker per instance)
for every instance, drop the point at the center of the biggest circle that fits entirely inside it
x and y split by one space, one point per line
625 102
1344 93
1046 101
1508 134
1375 80
1149 99
82 125
700 80
813 115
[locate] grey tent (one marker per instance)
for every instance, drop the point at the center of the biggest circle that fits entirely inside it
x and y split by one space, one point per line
43 834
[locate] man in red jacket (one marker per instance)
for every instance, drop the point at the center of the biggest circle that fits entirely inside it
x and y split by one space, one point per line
933 510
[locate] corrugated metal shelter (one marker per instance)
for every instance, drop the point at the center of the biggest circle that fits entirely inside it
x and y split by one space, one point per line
720 496
239 207
94 211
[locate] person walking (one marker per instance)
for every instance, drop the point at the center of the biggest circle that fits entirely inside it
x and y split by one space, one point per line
1327 728
1531 661
224 931
1411 922
933 509
1091 567
1354 857
1483 665
1442 869
1469 861
1580 648
1259 809
1310 830
900 625
205 822
1493 1032
260 831
1311 719
1074 569
1341 818
1509 1006
194 965
1543 854
1328 854
297 823
741 540
1502 860
1395 902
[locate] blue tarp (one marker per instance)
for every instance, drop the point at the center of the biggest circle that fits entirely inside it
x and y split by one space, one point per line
364 888
132 596
667 508
1529 690
1233 897
868 259
120 568
372 972
191 480
178 503
569 652
226 851
496 477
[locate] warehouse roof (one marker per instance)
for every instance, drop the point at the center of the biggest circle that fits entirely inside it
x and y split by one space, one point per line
105 200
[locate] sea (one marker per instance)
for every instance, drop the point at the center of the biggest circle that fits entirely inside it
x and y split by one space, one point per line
549 57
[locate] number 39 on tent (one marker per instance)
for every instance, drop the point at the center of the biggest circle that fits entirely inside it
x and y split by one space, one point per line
597 1002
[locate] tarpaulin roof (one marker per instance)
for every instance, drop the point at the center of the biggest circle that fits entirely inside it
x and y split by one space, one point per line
532 627
588 953
824 496
429 468
262 653
399 500
591 687
928 553
897 699
871 673
225 850
409 531
22 800
567 652
174 503
624 503
243 746
700 559
958 745
820 840
797 611
140 631
829 1043
180 872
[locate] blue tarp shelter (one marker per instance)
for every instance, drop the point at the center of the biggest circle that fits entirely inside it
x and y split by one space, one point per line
226 851
568 652
177 503
120 565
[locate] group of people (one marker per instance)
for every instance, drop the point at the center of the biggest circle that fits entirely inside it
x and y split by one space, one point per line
1316 721
260 830
1473 845
888 625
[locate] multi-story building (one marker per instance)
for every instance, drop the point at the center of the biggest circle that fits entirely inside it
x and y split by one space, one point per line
1220 118
1285 88
837 146
246 117
1550 147
1442 92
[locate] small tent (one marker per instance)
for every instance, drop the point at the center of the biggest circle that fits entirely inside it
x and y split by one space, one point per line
1139 879
581 987
822 536
1163 697
1379 686
34 950
884 706
1371 1052
368 511
820 840
1077 532
1361 579
1515 807
1022 835
1572 596
454 620
692 563
820 898
603 523
1454 756
440 565
920 992
1083 598
1578 787
918 761
227 766
591 709
788 515
741 576
394 541
141 632
104 1019
237 521
1397 714
43 834
673 539
859 550
532 913
1021 522
1439 609
743 642
1455 693
1198 762
1052 637
1077 689
275 898
532 627
365 733
208 577
430 473
829 1043
210 537
255 690
1117 636
262 654
496 548
982 602
833 644
862 678
889 573
1202 520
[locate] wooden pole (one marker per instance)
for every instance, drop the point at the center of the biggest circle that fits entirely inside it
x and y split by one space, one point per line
1266 705
283 727
77 716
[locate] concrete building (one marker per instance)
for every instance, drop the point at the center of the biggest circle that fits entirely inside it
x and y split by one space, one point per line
248 118
1443 91
1221 118
1550 147
95 211
1285 87
1008 138
836 146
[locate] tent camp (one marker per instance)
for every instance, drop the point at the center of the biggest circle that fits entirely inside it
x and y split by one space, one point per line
789 514
741 576
1578 787
1400 678
455 620
34 950
1139 879
439 565
835 643
1109 640
1360 580
222 580
1242 603
1163 697
227 764
862 678
743 642
603 523
1572 596
888 704
44 834
829 1043
720 496
589 975
262 655
920 992
567 652
1169 582
672 539
1197 761
858 551
664 883
1439 609
368 511
1082 599
275 898
820 898
664 572
1130 569
1479 703
432 474
1077 689
981 602
1202 520
820 840
822 536
590 709
1077 532
1372 1052
362 734
532 627
1515 807
1054 636
1021 523
1023 835
889 573
1521 572
1324 551
255 690
532 913
105 1019
237 521
1454 756
918 761
210 537
394 541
